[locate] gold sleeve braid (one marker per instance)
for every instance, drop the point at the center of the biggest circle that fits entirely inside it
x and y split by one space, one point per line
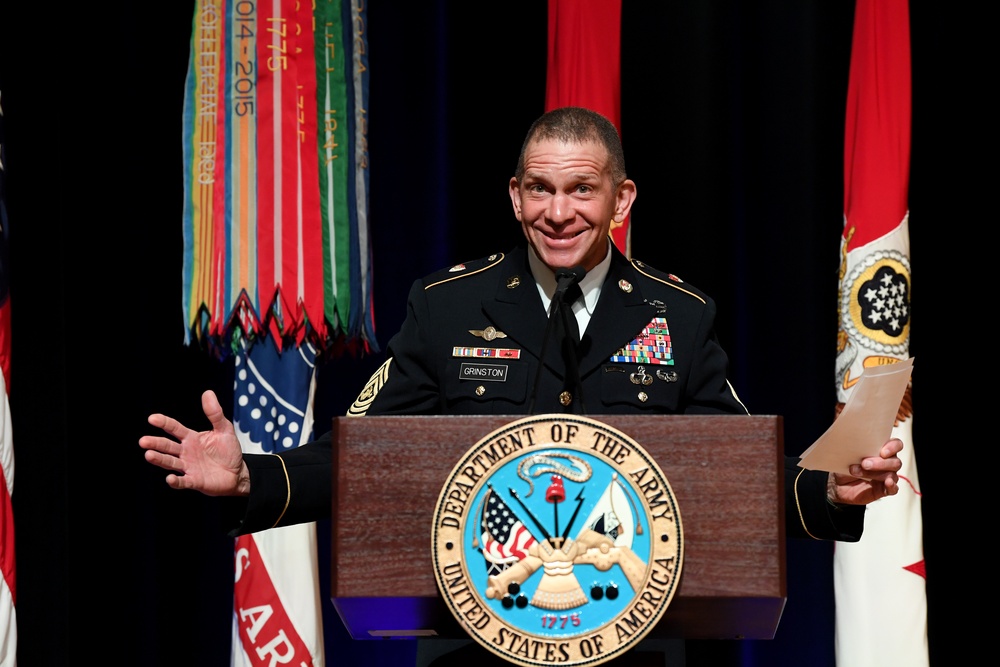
364 400
288 491
798 505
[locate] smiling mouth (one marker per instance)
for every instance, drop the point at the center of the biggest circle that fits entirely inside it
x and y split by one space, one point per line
563 236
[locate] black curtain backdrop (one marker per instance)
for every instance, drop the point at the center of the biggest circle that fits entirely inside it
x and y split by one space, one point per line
732 121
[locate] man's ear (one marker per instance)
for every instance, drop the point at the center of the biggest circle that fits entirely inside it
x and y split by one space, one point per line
624 197
514 188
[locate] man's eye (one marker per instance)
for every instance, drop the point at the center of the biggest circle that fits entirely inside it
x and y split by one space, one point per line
583 189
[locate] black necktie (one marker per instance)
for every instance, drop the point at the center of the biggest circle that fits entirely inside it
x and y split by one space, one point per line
571 344
563 326
569 298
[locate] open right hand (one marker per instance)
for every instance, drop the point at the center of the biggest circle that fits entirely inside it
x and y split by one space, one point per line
207 461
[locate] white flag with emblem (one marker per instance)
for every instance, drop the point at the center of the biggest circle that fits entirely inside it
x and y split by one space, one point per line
879 582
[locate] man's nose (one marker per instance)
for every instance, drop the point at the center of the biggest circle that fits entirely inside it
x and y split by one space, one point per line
561 209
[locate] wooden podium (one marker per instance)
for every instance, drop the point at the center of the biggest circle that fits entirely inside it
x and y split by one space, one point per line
726 473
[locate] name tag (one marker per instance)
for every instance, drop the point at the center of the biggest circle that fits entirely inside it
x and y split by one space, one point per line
487 372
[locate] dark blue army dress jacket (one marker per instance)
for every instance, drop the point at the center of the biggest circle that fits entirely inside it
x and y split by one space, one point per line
472 344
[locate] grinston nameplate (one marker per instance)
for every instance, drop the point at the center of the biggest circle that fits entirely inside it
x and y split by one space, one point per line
557 540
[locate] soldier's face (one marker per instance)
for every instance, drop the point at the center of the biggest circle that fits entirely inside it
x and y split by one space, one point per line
566 202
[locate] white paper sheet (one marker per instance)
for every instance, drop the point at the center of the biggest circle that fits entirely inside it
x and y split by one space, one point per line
866 421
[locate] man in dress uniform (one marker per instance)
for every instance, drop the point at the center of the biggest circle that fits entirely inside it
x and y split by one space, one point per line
478 339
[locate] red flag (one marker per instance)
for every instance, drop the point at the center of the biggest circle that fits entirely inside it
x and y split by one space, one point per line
584 66
8 618
879 582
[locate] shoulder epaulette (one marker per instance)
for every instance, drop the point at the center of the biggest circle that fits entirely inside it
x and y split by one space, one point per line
667 279
463 270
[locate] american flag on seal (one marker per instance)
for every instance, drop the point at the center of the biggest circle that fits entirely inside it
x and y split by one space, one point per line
505 539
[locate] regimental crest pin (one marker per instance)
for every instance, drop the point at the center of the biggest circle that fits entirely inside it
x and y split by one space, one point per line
557 539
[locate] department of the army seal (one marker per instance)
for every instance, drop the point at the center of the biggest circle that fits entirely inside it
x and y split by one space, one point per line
557 540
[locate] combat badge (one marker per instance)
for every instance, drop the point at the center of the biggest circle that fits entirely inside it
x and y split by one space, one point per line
557 540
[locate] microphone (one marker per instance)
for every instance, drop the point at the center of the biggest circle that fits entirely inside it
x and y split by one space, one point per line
566 278
562 312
